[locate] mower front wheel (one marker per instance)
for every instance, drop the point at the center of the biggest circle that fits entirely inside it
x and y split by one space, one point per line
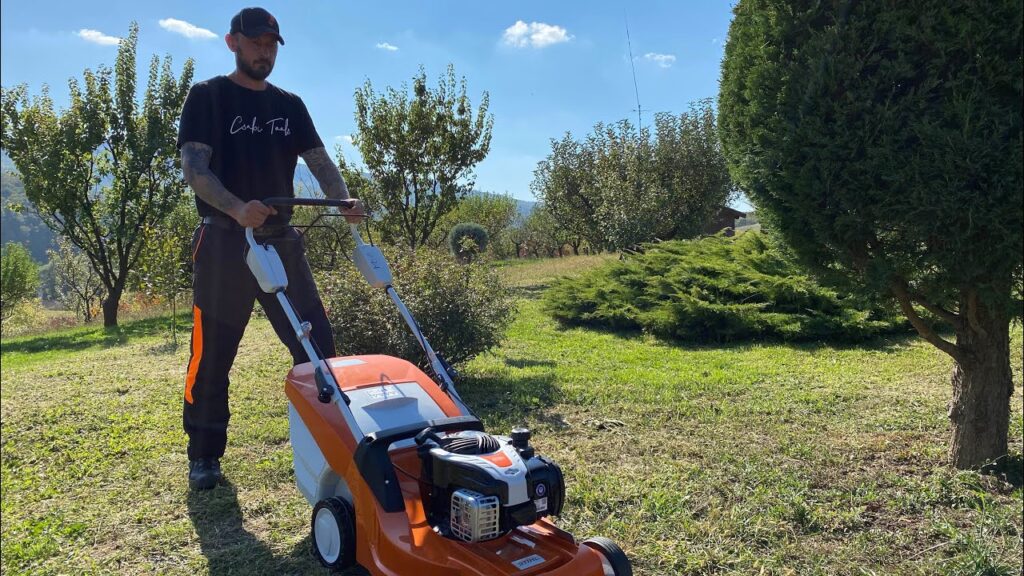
614 559
334 533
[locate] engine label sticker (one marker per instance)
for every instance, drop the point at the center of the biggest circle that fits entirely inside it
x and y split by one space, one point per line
541 504
528 562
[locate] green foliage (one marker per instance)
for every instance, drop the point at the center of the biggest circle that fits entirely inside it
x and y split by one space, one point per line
495 212
543 233
466 240
619 186
713 289
19 278
516 235
106 169
883 142
420 151
462 309
165 268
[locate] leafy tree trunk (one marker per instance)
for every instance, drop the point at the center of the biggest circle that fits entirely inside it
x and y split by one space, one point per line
982 386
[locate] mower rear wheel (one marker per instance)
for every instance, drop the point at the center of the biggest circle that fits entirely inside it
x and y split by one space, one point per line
615 561
333 530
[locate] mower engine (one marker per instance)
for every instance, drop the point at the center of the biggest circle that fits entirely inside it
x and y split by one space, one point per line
479 487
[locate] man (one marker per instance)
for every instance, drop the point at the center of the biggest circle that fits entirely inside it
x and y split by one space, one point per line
240 138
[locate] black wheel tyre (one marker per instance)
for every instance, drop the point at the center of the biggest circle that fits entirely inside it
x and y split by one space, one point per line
616 558
333 533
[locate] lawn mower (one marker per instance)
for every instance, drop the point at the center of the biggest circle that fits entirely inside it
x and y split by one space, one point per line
402 478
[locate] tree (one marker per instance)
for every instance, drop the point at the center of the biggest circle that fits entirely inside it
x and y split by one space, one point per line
564 181
420 152
518 235
18 278
104 170
883 141
467 240
76 285
165 268
544 233
690 165
494 212
621 186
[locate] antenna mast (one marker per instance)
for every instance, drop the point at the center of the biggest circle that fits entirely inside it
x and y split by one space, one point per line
632 65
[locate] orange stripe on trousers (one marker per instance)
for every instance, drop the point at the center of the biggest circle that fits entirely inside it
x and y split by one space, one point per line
197 352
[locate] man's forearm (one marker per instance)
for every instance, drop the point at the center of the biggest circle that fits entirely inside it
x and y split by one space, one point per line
195 162
326 173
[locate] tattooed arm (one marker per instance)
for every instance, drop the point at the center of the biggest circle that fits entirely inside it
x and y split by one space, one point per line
329 177
326 173
195 162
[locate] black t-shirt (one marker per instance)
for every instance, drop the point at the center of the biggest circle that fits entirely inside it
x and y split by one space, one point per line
256 136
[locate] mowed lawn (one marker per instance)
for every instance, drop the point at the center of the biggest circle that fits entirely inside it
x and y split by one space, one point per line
757 458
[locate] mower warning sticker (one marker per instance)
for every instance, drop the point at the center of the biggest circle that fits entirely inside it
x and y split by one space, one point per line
541 504
528 562
384 392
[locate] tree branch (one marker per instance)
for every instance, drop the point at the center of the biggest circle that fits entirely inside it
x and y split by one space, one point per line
956 320
907 306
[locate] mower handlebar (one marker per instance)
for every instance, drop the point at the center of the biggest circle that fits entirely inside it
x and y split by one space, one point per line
348 203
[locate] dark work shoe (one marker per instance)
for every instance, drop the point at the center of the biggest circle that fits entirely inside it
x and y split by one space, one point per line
203 473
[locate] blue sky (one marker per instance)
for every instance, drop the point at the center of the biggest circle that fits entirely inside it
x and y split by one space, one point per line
550 67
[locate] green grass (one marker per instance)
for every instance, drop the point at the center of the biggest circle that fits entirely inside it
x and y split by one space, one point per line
740 459
531 275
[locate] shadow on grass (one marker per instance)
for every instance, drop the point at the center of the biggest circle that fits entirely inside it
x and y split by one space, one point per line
530 292
304 550
227 545
95 336
1009 469
527 363
513 400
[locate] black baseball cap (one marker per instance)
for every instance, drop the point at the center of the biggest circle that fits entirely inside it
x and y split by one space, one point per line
255 22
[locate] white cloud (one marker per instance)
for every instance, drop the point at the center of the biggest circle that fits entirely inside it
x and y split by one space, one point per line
663 60
97 37
186 29
535 34
388 47
346 138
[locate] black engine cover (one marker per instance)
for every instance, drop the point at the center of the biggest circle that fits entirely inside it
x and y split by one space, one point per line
545 487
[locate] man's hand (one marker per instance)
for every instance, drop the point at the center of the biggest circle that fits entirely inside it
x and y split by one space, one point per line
252 214
356 213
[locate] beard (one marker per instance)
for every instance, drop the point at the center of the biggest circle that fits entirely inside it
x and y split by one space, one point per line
259 70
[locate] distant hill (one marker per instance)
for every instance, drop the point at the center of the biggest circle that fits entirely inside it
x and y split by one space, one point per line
525 207
21 226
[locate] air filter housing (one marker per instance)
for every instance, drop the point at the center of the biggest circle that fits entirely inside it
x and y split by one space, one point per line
475 517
